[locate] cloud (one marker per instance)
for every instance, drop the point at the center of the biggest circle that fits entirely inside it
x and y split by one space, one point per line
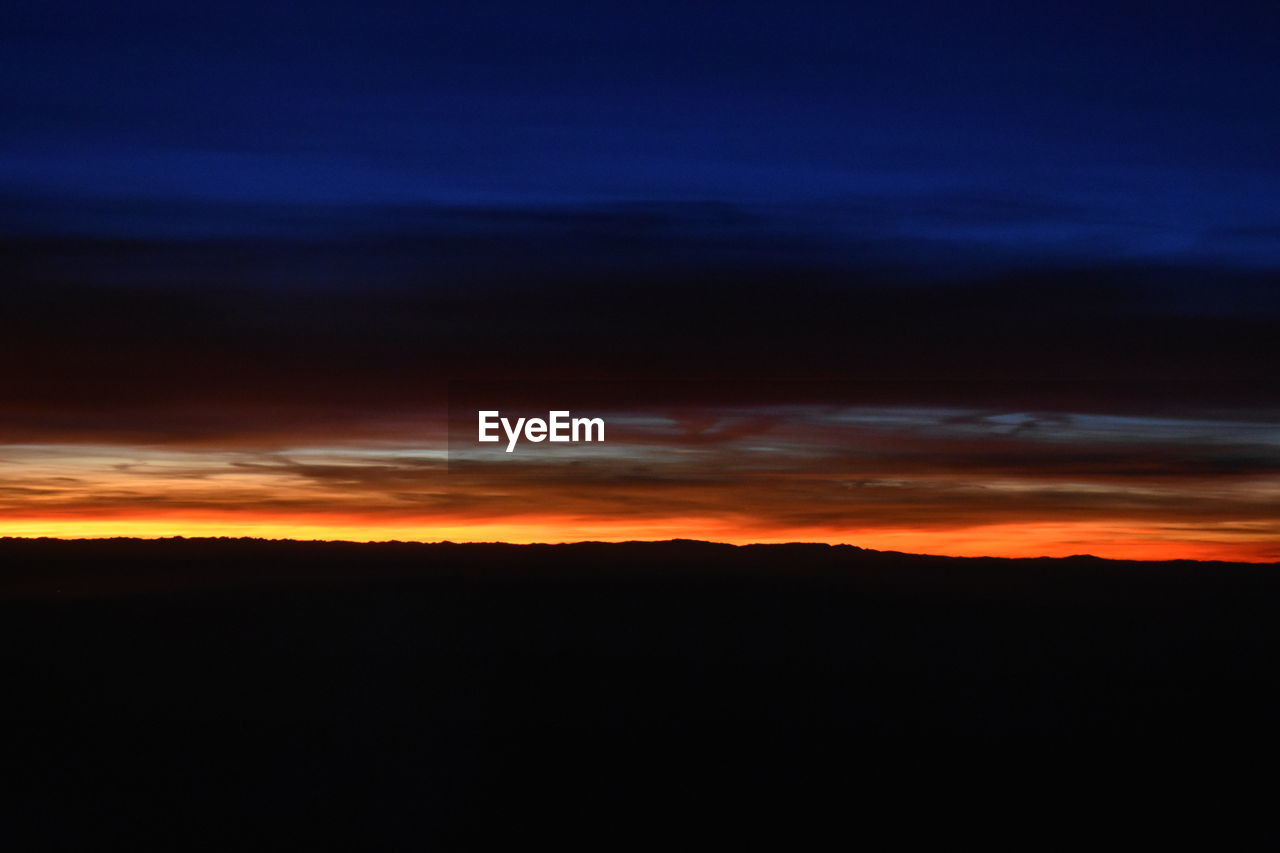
196 343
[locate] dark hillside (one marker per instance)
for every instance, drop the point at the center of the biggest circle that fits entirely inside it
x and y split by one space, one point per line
433 687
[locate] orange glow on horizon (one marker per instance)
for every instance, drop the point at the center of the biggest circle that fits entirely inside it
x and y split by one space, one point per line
1117 539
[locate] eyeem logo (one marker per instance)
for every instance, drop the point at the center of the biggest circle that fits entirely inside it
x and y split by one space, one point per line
558 426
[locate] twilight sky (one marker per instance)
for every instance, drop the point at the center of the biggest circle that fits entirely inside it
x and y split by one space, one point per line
962 278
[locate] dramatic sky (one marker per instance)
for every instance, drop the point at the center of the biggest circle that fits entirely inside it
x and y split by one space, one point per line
964 278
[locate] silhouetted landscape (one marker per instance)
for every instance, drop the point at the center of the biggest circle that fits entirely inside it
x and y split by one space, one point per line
435 686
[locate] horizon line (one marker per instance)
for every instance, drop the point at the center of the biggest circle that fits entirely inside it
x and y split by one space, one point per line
677 540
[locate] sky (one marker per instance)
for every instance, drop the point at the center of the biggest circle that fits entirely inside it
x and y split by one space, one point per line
981 278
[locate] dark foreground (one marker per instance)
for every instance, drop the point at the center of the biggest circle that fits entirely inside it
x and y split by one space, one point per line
426 696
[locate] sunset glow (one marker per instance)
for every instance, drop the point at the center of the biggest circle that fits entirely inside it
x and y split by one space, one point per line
940 481
1114 541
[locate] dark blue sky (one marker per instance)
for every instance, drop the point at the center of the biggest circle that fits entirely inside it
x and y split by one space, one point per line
1101 132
